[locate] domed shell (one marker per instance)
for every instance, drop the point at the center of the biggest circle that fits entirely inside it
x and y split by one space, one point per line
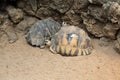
41 31
71 41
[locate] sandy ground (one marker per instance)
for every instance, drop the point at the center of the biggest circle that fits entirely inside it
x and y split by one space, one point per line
20 61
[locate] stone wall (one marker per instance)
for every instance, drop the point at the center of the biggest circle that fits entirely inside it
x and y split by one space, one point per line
100 18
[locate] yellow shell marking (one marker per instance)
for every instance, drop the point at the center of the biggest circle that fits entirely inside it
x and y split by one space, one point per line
62 48
64 40
79 52
68 48
58 48
73 50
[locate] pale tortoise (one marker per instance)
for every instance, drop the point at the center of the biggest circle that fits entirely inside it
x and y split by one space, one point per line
41 31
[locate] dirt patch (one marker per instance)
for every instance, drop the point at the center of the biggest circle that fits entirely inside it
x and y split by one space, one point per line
20 61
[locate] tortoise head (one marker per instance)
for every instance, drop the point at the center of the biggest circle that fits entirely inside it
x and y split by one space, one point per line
48 43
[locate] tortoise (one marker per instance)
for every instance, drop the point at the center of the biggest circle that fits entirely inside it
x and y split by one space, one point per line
41 31
71 41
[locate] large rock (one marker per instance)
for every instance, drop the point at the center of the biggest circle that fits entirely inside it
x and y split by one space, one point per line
61 6
45 13
103 20
97 12
33 4
26 6
110 11
98 28
16 15
71 18
8 29
78 5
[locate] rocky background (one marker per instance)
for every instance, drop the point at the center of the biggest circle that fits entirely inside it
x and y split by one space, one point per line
99 18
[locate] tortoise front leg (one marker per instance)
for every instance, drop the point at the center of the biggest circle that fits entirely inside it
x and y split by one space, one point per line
52 49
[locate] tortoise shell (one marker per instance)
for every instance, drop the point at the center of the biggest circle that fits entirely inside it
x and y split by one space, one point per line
71 41
41 31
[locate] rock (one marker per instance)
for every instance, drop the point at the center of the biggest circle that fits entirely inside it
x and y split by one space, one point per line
78 5
8 29
33 4
97 12
41 31
112 10
102 20
25 6
117 43
12 37
36 8
104 42
71 18
24 24
99 29
110 31
7 25
61 6
16 15
92 25
44 13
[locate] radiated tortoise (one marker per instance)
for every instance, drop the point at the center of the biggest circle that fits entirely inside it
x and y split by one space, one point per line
71 41
41 31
